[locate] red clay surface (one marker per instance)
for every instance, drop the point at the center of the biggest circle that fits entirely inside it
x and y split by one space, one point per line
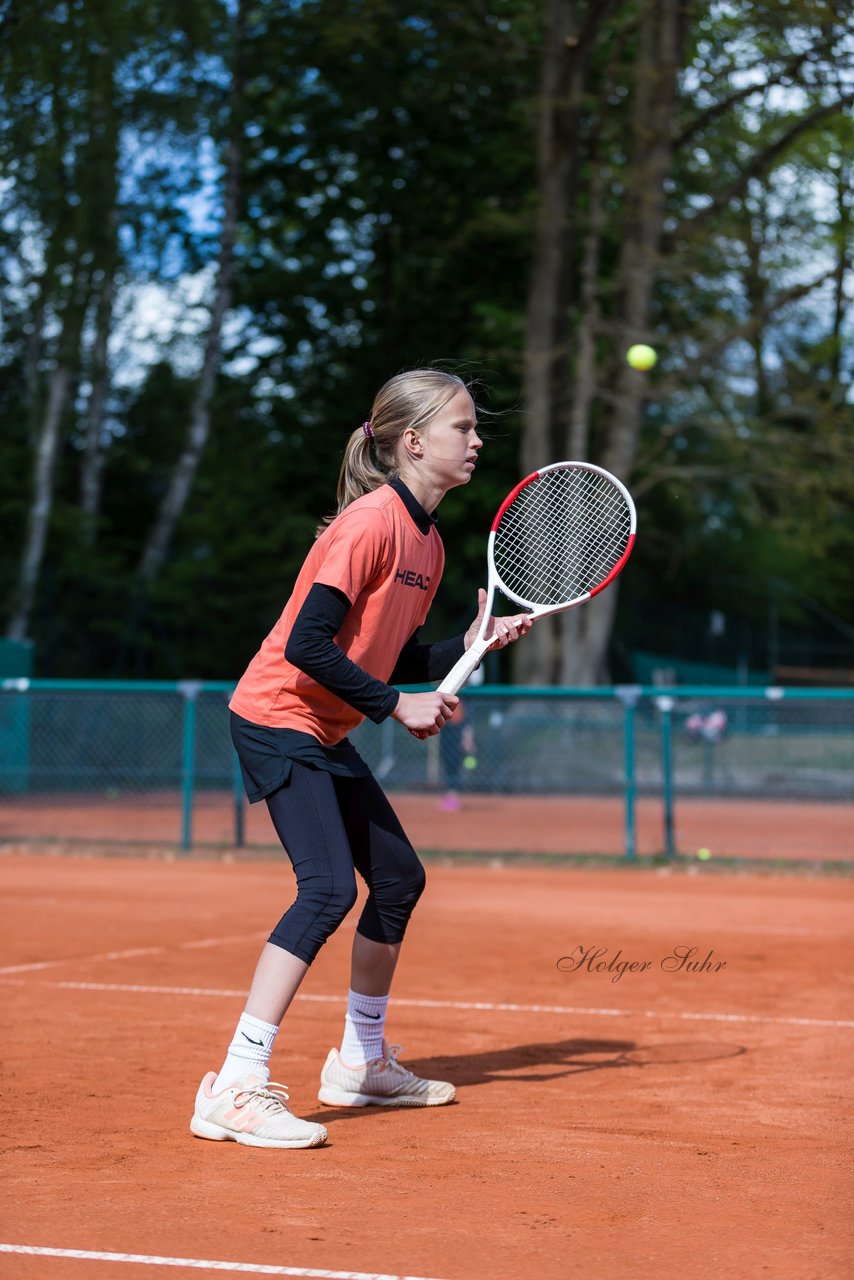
743 828
726 1155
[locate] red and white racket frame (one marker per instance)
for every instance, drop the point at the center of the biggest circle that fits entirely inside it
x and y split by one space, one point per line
472 657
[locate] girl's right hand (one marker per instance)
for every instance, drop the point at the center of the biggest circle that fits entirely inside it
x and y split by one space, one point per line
424 714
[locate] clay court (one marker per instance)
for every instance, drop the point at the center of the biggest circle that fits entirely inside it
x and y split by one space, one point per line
661 1123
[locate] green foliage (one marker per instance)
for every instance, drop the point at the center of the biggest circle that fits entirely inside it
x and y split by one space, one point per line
388 212
749 433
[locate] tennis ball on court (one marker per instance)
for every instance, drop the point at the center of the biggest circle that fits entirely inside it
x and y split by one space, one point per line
704 854
470 762
642 357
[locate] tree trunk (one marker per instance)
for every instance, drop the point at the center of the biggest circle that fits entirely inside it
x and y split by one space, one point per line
756 291
585 632
46 445
589 320
584 635
38 520
555 145
94 455
652 153
32 359
103 155
843 263
183 475
571 29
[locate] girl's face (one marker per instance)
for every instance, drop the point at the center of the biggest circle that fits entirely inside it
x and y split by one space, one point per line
451 443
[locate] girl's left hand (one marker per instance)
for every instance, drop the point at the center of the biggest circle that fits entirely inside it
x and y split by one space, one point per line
504 630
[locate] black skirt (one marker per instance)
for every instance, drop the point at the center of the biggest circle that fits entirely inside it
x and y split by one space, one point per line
266 754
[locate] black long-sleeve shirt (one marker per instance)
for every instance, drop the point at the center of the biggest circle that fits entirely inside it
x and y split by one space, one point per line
311 647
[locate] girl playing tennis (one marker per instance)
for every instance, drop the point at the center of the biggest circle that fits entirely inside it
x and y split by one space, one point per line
347 635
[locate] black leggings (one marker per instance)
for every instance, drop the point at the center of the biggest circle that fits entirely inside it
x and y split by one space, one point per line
329 826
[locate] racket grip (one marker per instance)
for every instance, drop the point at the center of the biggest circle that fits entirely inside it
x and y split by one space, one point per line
462 669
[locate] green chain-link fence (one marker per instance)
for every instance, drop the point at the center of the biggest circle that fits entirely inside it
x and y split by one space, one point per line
153 762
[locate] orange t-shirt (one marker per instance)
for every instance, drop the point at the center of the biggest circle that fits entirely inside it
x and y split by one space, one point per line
389 571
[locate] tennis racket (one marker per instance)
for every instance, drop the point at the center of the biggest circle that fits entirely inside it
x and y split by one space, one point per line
558 539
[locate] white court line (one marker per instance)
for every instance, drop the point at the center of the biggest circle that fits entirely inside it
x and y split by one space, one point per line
204 1264
483 1006
134 952
130 954
221 942
766 932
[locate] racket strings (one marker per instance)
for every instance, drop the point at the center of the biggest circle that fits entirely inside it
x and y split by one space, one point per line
562 536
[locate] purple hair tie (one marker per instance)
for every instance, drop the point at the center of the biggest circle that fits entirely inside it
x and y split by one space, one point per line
368 430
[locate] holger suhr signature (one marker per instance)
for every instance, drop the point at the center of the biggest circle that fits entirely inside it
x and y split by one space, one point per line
682 959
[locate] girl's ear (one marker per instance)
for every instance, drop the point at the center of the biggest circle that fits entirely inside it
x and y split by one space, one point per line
412 442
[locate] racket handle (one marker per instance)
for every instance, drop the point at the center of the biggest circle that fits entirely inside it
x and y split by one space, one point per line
462 669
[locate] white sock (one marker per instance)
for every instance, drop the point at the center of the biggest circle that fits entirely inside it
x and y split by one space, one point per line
248 1053
364 1026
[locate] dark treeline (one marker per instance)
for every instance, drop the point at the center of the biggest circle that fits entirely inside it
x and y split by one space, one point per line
224 224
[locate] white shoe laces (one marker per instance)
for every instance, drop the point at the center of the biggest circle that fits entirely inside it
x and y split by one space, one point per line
391 1063
267 1097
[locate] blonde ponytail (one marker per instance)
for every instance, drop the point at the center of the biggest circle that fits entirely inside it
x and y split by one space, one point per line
360 473
409 399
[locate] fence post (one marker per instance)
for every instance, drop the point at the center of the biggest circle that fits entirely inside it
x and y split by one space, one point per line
189 690
15 735
665 705
239 823
629 695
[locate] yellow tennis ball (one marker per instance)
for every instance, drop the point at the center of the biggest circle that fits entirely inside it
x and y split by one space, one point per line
640 356
704 854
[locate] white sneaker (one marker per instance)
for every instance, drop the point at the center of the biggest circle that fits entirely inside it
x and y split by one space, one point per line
252 1112
381 1083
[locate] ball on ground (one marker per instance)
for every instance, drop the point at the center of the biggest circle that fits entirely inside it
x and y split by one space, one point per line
642 357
